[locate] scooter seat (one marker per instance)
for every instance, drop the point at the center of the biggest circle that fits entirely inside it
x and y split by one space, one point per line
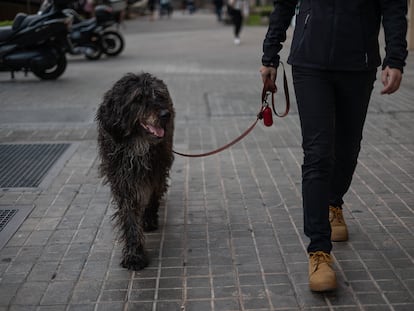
5 33
18 20
84 24
23 20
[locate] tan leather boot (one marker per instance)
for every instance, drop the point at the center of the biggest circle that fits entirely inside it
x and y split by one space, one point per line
321 275
338 225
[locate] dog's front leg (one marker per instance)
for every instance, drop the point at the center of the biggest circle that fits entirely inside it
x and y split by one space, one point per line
129 221
151 213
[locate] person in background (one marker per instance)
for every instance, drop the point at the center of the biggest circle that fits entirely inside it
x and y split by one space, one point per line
218 5
151 9
165 8
237 9
191 6
88 8
334 57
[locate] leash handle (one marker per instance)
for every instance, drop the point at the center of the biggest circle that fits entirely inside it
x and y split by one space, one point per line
269 87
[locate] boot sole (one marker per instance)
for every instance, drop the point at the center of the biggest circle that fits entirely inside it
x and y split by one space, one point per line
323 288
339 239
341 236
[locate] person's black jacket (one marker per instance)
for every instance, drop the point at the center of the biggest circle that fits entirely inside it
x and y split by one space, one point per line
338 34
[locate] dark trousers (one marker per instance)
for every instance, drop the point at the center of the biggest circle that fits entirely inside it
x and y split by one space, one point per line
332 108
237 20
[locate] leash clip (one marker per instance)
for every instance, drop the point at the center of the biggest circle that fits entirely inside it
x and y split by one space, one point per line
265 103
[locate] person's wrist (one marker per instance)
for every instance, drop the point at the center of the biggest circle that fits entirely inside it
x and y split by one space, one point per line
269 64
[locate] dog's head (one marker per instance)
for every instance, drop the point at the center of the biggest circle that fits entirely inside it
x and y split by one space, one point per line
137 106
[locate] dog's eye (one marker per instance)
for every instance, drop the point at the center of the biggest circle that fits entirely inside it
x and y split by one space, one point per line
164 114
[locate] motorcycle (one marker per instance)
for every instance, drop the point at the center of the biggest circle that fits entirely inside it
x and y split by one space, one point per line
36 43
91 37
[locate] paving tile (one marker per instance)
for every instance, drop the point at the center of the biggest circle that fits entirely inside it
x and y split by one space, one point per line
82 307
7 292
52 308
58 292
199 293
43 271
371 298
170 294
226 304
30 293
142 295
113 295
86 292
110 306
195 305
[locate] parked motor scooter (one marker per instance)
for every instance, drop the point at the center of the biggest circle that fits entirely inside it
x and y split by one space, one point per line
92 37
36 43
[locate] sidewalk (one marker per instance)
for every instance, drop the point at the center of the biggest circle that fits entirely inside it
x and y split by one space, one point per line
230 235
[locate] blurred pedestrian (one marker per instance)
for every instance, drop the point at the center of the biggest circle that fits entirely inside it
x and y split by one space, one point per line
88 8
151 9
218 7
190 6
165 8
334 57
236 10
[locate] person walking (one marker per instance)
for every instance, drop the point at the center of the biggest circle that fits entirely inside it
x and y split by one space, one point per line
218 9
237 9
151 8
334 57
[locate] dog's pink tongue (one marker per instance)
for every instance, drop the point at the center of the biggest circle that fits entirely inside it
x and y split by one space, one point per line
157 131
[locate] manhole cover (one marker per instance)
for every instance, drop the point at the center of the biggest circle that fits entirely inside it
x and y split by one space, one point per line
25 165
11 217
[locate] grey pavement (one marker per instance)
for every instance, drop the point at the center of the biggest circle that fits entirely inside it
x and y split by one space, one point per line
230 235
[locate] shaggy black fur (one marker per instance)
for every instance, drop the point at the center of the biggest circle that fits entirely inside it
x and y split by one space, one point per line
135 135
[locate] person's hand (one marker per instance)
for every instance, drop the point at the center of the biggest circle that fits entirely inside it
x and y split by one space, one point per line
391 79
268 73
269 78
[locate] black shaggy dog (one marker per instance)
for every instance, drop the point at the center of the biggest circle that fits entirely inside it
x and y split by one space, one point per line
135 135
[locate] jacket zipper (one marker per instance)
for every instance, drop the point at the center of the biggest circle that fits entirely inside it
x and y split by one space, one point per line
334 22
306 20
365 41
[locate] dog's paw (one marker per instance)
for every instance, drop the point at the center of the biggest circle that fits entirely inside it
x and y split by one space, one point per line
150 225
135 262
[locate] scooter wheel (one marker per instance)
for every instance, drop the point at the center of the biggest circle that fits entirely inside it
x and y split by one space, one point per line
93 52
112 42
54 72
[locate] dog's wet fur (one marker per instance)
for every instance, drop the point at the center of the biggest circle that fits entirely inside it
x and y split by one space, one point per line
135 137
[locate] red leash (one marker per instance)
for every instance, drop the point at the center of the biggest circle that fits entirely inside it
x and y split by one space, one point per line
244 134
265 113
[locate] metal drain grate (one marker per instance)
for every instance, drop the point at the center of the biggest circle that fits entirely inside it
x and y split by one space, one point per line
5 216
11 217
25 165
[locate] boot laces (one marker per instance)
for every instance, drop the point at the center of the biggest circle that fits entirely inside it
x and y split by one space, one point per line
318 258
336 215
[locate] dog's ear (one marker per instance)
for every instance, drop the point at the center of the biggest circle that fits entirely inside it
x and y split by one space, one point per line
110 116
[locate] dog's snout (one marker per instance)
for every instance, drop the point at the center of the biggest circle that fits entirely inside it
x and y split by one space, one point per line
164 114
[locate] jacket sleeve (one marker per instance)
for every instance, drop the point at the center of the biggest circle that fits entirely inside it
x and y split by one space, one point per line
394 21
279 22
